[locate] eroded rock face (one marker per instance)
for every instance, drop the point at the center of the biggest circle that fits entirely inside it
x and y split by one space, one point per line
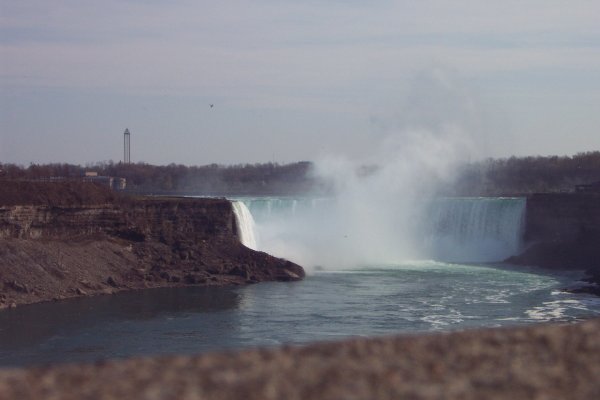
165 220
51 252
562 217
562 231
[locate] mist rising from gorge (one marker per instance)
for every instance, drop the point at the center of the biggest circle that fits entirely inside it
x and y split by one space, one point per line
373 215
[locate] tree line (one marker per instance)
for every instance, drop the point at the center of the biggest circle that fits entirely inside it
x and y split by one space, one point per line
267 178
490 177
524 175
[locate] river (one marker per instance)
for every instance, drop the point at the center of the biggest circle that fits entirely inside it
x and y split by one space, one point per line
383 296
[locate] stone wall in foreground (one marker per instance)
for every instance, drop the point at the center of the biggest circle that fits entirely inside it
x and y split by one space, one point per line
535 362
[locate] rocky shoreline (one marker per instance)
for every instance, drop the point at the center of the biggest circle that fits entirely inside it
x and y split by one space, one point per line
56 251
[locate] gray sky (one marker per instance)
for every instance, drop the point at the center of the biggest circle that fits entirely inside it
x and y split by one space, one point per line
293 80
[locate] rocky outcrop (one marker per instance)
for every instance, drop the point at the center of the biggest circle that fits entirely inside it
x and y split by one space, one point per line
536 362
53 252
562 231
562 217
165 220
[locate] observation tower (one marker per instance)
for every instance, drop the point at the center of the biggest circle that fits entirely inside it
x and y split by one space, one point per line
126 147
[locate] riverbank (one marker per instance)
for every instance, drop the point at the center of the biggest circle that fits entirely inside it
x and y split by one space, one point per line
58 242
550 361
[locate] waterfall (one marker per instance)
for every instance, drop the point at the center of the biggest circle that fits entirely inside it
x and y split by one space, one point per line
245 225
324 232
474 229
265 209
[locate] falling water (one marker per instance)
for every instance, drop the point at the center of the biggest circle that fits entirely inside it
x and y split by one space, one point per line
449 229
474 229
245 225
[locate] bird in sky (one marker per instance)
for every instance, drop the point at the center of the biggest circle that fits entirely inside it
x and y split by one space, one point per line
211 105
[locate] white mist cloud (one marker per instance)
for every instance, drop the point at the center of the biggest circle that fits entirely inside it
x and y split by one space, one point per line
379 201
374 218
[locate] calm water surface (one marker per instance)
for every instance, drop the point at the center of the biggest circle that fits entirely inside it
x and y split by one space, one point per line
417 297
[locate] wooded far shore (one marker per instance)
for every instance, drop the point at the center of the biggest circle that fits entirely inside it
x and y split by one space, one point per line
489 177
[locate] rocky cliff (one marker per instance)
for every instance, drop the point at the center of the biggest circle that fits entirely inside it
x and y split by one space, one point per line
562 217
53 252
166 220
562 230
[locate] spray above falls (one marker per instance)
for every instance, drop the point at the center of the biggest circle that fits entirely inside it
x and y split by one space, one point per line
382 214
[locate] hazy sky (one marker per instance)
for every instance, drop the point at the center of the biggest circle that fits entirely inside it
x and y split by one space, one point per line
293 80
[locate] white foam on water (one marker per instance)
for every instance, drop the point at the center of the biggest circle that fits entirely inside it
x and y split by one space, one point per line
442 321
410 265
499 298
553 310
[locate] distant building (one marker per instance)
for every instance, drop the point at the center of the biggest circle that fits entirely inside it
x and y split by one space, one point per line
112 182
119 183
593 187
